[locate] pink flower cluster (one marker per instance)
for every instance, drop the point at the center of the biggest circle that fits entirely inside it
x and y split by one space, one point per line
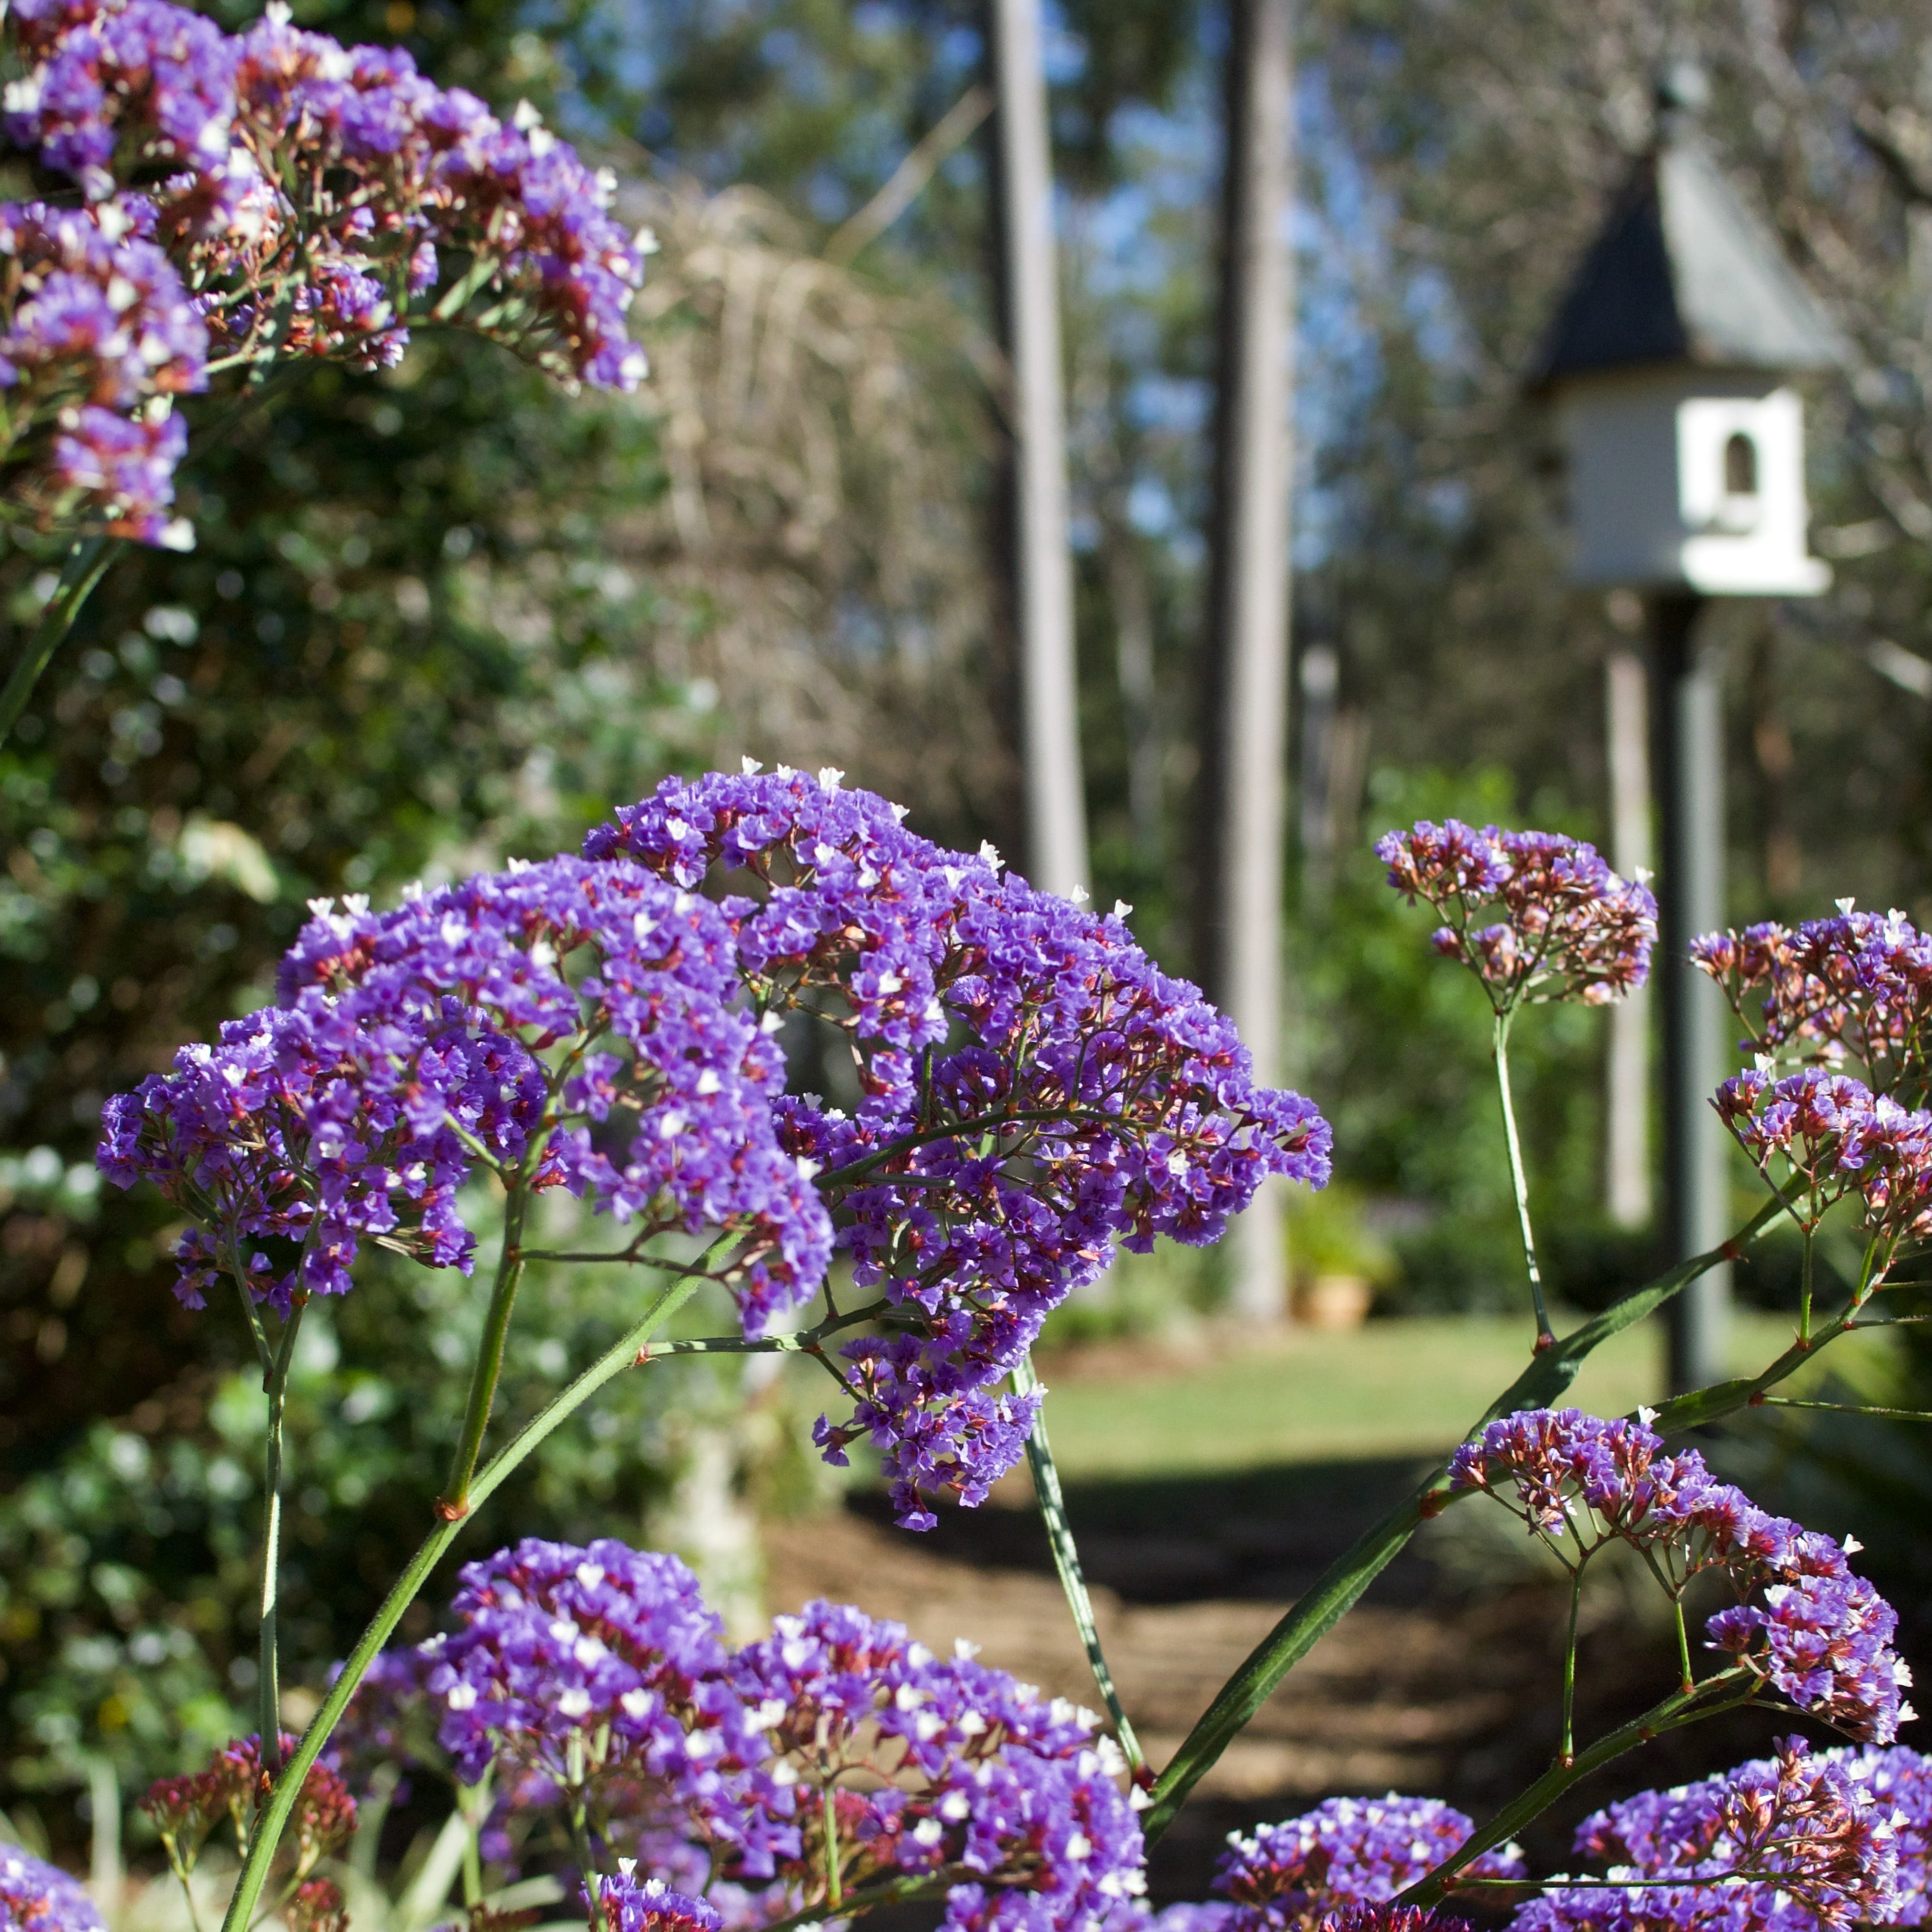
1570 929
1804 1625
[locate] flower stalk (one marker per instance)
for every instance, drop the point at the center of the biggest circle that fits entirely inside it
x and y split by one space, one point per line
1519 1183
268 1664
1066 1562
622 1354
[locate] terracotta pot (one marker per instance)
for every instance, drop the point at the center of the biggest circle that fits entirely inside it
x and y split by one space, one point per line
1333 1300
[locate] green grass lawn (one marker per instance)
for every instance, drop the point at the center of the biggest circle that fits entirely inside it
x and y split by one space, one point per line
1389 1388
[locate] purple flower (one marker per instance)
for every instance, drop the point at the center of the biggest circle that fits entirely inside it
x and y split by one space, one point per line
1789 1843
1902 1781
629 1904
309 186
597 1675
125 468
98 335
37 1897
1346 1852
408 1047
1035 1092
964 1774
1817 1634
154 80
1857 986
1837 1136
1571 930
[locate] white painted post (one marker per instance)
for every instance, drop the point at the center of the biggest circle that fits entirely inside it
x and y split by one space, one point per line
1627 1188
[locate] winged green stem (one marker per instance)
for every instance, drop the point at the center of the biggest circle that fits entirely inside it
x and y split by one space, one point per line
1066 1561
1846 1407
622 1354
1679 1708
834 1891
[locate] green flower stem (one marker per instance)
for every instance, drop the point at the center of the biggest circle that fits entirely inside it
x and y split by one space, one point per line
269 1687
1679 1708
1805 1287
1567 1750
454 1500
1066 1561
1518 1181
86 564
834 1890
1847 1408
623 1354
1341 1585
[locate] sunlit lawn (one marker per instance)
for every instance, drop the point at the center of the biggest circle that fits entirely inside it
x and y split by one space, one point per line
1389 1388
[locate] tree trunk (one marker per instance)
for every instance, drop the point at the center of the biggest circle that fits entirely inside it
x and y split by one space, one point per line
1029 305
1242 769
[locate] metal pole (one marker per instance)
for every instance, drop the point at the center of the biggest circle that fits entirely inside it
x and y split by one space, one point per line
1049 705
1690 801
1245 768
1627 1188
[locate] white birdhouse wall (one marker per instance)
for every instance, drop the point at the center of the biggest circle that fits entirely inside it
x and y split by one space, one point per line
1688 478
1740 492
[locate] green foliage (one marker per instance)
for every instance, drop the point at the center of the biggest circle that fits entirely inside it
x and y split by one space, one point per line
126 1610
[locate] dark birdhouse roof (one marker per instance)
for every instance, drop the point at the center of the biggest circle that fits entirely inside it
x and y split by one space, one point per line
1682 271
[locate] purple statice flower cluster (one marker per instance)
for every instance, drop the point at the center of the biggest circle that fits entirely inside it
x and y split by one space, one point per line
504 1020
1857 986
1838 1137
315 197
37 1897
597 1676
1803 1624
595 1679
1902 1779
1035 1090
1346 1852
97 337
1789 1844
1570 928
629 1904
1218 1915
960 1772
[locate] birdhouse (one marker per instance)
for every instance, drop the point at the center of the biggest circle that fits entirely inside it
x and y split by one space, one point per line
1667 365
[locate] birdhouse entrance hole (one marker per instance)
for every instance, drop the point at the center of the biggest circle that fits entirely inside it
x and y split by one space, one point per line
1740 466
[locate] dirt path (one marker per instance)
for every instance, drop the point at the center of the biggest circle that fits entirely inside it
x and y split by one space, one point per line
1420 1689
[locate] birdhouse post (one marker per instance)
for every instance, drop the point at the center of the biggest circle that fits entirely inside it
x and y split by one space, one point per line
1668 366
